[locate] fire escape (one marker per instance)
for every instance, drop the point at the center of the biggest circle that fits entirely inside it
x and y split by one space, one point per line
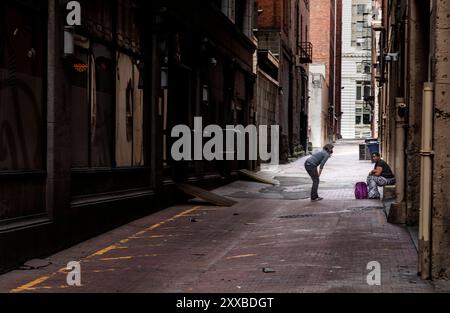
305 53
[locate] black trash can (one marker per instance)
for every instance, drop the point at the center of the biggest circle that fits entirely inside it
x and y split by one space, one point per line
374 147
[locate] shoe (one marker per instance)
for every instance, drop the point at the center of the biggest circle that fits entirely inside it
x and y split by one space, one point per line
316 199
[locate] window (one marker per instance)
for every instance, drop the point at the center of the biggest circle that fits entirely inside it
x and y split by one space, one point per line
359 67
359 26
358 92
301 29
363 67
306 33
363 90
79 94
360 8
358 116
22 66
241 8
107 102
367 90
363 117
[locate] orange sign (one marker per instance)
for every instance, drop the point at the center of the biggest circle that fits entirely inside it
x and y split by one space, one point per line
80 68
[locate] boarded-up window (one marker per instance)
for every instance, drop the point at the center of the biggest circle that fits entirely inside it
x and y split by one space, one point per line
107 103
22 58
129 113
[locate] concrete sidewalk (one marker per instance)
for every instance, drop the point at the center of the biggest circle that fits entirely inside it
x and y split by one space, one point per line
273 240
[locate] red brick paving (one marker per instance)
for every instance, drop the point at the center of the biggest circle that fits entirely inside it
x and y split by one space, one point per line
312 247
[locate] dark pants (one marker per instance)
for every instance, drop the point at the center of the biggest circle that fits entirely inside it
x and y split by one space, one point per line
312 171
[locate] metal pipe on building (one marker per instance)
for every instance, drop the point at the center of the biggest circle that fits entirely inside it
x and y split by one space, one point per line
334 72
400 150
397 215
426 182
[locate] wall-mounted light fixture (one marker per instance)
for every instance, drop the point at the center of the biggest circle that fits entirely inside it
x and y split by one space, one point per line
213 62
164 77
69 41
205 93
391 57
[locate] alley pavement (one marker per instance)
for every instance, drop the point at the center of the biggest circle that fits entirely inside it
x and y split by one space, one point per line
274 240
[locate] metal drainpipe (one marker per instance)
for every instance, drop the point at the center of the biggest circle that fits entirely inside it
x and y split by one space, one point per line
426 182
400 157
334 123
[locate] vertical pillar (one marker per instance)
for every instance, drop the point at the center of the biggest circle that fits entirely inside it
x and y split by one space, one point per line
397 214
426 181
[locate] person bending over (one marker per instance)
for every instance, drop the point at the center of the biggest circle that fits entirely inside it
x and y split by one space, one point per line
314 166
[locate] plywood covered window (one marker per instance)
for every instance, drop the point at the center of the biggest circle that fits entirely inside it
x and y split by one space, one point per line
22 64
129 113
106 93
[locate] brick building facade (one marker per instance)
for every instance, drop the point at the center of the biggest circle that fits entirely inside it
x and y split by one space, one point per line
283 29
326 37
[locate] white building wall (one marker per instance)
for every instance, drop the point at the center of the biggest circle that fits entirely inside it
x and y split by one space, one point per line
350 57
318 106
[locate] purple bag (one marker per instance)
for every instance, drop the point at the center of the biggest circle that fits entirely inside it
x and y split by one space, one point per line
361 191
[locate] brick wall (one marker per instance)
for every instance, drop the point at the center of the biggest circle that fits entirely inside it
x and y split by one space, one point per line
271 16
338 83
320 33
325 25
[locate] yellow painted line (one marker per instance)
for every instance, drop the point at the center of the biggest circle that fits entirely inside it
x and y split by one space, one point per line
104 271
129 257
241 256
103 251
33 284
63 271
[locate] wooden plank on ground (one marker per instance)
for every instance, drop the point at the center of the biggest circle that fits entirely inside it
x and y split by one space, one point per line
205 195
258 177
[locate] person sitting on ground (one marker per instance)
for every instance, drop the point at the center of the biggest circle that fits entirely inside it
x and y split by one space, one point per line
312 164
381 175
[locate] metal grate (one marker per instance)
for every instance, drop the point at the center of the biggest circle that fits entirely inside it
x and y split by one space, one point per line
306 52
